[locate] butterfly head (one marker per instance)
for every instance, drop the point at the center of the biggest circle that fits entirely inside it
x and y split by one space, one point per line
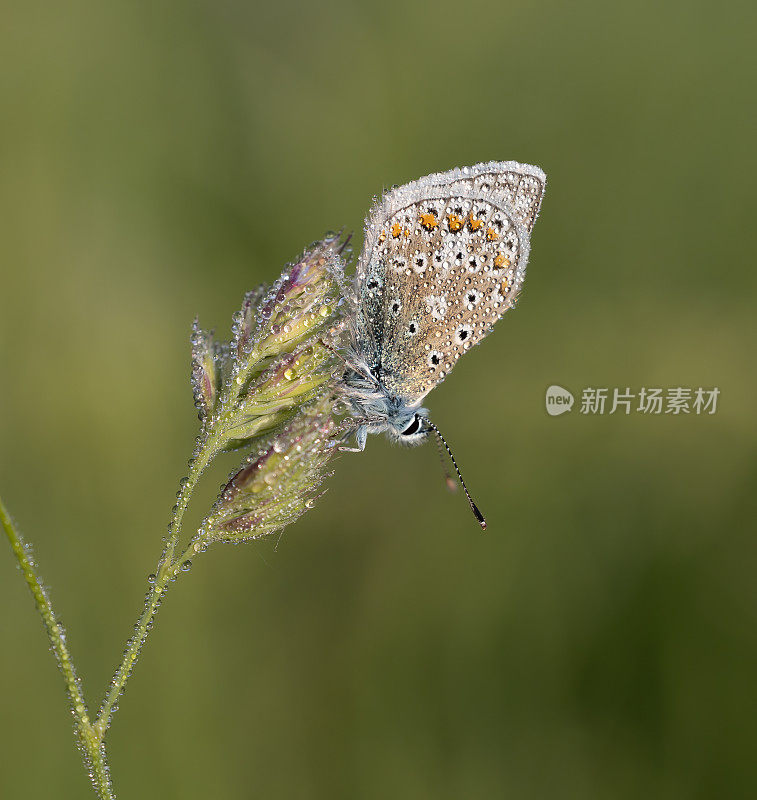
409 427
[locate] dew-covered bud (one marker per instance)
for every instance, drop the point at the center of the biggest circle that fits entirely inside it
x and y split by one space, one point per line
277 379
247 322
280 481
206 370
283 347
302 301
293 379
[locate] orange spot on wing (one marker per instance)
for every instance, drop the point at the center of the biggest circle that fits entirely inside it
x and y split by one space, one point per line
501 260
455 223
491 234
474 223
428 221
396 230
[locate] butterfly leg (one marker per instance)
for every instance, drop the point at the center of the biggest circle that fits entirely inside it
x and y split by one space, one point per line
361 436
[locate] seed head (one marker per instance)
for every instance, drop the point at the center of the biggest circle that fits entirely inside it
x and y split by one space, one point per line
272 390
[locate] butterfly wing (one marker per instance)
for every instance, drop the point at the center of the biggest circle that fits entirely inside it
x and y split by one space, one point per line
444 257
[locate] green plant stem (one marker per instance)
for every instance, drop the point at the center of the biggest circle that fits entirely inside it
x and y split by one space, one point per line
168 568
90 734
141 632
90 743
131 653
206 450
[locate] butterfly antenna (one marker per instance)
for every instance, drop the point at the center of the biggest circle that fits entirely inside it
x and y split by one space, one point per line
474 508
448 479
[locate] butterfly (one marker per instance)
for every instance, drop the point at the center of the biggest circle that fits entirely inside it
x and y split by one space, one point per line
444 257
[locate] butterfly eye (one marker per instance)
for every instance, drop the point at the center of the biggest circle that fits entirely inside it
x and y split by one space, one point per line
413 427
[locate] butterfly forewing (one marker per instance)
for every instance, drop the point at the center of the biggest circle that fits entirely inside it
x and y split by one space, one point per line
521 192
444 258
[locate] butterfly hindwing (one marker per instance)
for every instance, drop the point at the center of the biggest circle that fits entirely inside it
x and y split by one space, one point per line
444 258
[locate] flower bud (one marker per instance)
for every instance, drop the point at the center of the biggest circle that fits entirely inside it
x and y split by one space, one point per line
246 322
283 346
280 482
205 370
277 378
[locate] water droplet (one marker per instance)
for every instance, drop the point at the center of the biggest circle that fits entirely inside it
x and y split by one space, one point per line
151 578
186 566
289 373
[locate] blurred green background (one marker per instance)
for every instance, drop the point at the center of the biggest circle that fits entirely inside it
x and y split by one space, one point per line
160 158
